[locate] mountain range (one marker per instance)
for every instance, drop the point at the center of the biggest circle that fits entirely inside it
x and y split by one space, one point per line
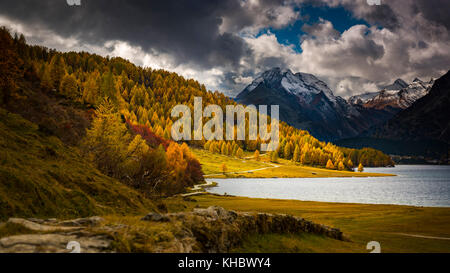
308 103
401 118
426 118
398 95
421 130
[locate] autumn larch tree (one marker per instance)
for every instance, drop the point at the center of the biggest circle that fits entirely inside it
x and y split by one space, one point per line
330 164
360 168
341 166
9 65
240 153
350 164
224 168
69 87
256 156
297 155
274 157
57 70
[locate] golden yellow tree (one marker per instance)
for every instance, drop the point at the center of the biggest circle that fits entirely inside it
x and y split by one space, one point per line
297 155
240 153
341 166
360 168
256 156
330 164
274 157
350 163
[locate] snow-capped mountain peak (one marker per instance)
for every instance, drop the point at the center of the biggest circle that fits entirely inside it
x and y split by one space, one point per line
397 85
305 102
303 85
402 98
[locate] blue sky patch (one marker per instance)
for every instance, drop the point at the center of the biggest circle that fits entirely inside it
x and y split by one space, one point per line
341 19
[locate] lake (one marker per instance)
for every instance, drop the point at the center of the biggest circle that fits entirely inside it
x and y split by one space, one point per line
415 185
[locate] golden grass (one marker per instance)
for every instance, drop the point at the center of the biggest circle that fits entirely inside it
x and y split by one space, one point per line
212 163
42 177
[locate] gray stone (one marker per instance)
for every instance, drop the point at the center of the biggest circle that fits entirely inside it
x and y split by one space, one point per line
52 243
83 222
38 227
155 217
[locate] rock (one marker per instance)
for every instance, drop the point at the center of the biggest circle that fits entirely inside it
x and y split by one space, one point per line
51 220
83 222
53 243
35 220
209 230
216 213
59 234
155 217
38 227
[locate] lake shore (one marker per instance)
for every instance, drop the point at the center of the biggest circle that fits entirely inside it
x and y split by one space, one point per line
426 185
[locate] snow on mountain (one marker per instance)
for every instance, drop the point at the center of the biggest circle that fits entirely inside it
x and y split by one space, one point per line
306 102
397 85
362 98
402 98
365 97
303 85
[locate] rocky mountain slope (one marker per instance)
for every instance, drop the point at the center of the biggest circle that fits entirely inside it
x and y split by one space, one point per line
399 98
361 99
308 103
422 130
427 118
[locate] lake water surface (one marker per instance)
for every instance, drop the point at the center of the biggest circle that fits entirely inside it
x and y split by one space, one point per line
416 185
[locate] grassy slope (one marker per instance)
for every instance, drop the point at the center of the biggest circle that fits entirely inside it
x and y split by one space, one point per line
42 177
212 166
362 223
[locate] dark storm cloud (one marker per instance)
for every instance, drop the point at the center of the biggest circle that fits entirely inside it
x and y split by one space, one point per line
422 45
435 10
383 16
187 30
225 43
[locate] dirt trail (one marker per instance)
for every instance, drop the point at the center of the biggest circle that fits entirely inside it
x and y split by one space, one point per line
272 166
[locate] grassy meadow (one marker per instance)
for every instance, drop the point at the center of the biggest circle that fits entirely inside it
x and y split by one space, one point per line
248 167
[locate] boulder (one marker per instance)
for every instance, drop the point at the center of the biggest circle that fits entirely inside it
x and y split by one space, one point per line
155 217
83 222
53 243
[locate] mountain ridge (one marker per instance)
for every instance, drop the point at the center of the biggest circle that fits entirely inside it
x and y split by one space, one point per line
307 103
400 98
421 131
426 118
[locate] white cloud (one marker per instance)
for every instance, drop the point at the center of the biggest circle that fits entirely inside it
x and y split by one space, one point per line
361 59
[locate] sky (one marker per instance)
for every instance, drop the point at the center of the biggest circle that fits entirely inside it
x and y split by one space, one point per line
351 45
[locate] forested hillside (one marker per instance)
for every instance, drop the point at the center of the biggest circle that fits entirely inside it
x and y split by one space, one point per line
45 87
126 111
